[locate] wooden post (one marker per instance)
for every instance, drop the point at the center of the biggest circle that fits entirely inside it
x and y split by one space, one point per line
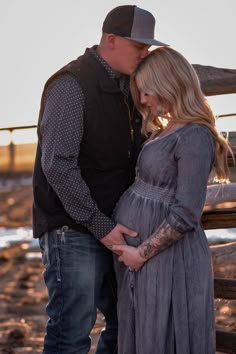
12 153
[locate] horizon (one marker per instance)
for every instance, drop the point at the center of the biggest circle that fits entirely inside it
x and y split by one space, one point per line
28 135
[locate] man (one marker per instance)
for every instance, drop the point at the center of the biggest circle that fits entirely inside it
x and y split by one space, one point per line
89 137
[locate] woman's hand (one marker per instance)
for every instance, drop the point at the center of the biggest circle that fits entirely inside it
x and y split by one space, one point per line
130 256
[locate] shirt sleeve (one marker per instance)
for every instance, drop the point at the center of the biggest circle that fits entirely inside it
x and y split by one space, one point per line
62 132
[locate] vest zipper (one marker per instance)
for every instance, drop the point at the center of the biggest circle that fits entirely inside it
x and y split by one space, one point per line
130 125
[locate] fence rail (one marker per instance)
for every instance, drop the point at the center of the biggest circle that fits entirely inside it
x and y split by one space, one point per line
18 128
226 342
223 288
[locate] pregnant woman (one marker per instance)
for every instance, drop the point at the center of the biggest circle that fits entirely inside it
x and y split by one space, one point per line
165 279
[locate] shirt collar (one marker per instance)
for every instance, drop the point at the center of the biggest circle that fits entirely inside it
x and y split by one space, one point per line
123 80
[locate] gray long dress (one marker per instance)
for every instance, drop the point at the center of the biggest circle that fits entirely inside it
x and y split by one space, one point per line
168 306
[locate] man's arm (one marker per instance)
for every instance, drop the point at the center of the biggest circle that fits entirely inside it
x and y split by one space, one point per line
62 131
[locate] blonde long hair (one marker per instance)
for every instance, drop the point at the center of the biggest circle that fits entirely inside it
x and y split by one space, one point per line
167 75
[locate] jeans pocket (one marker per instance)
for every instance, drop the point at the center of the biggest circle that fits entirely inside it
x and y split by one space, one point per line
43 243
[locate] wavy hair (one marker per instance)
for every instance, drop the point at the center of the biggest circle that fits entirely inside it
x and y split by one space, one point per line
167 75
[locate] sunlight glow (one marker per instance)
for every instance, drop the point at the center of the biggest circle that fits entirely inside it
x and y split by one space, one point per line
24 136
5 138
29 136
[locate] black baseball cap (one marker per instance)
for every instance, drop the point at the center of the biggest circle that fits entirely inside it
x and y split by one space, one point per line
132 22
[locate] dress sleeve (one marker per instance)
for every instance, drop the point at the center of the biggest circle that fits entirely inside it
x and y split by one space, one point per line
195 152
194 156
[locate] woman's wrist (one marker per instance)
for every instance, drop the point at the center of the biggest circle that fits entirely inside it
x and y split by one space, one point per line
141 253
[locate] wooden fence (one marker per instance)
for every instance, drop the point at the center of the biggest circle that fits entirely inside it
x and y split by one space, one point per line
224 288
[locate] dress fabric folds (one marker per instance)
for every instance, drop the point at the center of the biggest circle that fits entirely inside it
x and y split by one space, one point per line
168 306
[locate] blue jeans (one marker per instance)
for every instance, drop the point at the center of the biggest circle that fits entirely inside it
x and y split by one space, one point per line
80 279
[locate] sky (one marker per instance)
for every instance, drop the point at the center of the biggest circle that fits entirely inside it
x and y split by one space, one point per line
39 36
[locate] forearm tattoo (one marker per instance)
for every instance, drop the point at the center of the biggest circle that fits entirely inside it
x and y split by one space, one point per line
163 238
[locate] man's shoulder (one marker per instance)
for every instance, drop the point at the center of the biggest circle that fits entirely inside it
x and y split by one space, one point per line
63 80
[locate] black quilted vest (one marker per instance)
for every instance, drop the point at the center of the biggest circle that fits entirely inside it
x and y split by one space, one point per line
107 153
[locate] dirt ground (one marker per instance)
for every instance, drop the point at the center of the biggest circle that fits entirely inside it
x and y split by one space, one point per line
23 296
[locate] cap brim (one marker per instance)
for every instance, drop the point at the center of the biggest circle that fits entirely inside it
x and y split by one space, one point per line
148 41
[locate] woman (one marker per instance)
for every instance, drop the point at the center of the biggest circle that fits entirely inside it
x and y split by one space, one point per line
165 280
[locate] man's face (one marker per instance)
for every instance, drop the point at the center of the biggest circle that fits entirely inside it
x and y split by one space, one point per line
128 54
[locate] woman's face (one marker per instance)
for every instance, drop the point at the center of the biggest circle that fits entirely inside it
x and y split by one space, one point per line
149 101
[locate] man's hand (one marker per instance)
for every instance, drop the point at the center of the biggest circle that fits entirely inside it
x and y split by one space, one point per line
130 256
115 237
